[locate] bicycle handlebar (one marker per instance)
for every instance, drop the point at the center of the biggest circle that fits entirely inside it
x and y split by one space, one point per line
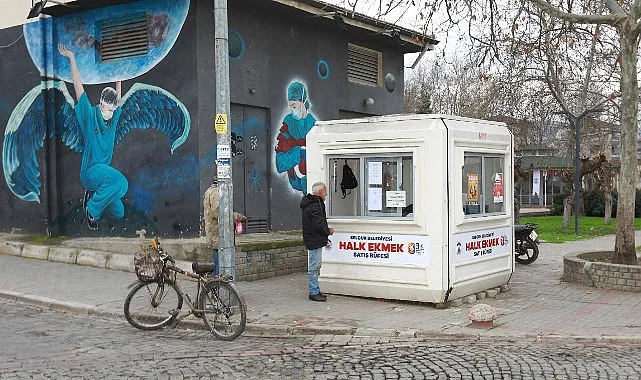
163 256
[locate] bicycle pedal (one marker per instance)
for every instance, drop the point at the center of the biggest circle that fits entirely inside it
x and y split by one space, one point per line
174 312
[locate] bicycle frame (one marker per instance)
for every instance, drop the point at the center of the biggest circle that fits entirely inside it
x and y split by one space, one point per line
167 277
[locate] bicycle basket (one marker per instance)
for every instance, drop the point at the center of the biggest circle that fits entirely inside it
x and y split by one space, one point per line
147 264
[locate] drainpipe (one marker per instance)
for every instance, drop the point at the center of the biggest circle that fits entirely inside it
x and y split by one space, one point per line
46 173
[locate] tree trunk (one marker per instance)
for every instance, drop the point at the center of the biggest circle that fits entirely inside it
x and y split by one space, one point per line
567 211
607 195
517 211
624 246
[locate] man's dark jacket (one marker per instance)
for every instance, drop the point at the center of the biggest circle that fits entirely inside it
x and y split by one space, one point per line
315 229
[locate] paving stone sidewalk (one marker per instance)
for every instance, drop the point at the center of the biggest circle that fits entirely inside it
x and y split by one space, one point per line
537 306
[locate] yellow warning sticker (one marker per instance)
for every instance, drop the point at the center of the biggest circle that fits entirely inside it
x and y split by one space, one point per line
221 123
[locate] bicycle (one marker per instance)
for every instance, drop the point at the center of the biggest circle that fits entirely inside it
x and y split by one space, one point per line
156 297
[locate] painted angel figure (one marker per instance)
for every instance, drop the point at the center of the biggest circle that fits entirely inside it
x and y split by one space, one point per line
91 130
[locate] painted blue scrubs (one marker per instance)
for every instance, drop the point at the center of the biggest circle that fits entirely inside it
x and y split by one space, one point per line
96 174
290 150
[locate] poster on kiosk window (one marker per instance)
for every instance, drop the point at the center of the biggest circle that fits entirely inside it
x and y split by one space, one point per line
378 248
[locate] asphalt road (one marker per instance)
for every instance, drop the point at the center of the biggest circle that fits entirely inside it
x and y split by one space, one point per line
40 343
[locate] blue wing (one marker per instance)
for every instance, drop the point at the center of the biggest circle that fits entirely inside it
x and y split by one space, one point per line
145 106
46 110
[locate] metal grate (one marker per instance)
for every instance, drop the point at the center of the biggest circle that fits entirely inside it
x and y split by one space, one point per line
256 225
125 38
364 66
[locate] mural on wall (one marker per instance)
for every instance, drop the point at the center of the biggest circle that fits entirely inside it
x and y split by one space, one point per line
84 35
290 141
49 111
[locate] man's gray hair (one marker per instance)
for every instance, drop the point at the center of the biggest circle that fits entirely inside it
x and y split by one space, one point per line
316 187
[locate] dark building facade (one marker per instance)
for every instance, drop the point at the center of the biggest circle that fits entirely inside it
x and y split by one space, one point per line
150 164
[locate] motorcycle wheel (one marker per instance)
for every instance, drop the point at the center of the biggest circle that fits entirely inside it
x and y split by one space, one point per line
527 251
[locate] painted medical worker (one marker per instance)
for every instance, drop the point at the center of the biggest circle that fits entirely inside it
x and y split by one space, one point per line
290 146
105 186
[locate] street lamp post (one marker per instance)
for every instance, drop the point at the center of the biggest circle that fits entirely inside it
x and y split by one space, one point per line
577 159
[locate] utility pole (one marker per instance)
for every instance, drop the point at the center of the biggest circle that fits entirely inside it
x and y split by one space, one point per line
227 249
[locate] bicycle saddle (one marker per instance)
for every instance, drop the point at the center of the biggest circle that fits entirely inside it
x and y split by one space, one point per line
202 268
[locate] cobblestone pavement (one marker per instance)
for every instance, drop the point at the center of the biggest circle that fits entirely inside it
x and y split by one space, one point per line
45 344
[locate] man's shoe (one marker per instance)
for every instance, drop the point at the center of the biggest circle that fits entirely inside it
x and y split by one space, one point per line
323 295
317 298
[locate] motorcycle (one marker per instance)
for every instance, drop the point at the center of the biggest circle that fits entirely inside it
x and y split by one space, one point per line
526 243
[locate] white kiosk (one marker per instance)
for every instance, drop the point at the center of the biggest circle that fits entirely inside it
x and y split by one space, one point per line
431 217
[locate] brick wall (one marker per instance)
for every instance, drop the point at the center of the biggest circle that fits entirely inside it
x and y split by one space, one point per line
601 275
266 263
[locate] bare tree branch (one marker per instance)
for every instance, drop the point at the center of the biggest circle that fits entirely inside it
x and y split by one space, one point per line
611 19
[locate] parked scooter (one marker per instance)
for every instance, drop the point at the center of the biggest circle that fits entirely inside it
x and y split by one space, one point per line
526 243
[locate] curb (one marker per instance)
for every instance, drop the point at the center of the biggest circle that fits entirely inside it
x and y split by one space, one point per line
77 256
267 330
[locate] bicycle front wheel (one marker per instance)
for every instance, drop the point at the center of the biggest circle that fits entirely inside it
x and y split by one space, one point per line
152 305
223 309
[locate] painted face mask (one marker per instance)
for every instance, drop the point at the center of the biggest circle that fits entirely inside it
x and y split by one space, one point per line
297 113
106 114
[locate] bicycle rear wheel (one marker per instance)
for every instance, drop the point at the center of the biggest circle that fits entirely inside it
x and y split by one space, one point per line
152 305
224 311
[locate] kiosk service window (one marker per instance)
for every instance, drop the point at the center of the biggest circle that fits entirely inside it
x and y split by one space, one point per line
483 186
384 186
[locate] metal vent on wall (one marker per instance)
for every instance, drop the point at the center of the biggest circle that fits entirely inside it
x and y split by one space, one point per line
364 65
124 38
256 225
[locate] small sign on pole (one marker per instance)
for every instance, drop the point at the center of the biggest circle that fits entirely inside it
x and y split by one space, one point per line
223 161
221 123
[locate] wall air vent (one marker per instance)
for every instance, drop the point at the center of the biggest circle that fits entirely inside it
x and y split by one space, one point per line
125 38
256 225
364 66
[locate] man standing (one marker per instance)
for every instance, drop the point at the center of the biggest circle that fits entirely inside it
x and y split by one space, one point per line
315 233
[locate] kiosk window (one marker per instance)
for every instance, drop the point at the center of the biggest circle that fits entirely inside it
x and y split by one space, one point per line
344 197
383 186
483 185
